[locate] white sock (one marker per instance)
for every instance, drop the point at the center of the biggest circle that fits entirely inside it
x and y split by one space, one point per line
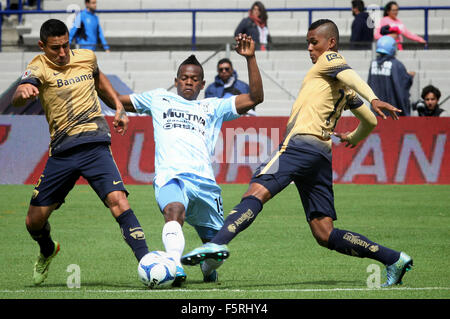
173 240
209 265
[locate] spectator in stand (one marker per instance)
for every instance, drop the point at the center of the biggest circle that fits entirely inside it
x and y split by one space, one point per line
388 77
429 105
86 29
226 83
255 25
362 27
390 18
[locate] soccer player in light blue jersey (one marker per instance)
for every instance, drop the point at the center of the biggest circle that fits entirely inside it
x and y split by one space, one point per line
185 133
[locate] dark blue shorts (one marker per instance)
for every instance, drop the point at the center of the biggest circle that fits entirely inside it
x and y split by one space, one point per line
311 172
93 161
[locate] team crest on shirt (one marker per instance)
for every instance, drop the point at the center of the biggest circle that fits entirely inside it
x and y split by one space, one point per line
26 74
206 107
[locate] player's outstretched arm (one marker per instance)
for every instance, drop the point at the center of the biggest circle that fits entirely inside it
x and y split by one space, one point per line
24 92
245 46
354 81
107 93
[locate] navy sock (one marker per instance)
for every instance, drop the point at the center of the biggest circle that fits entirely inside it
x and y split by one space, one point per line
43 238
238 219
354 244
132 233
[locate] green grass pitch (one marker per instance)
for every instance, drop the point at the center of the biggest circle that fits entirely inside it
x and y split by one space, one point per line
276 258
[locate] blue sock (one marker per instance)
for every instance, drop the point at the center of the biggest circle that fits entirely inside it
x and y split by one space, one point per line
353 244
132 233
238 219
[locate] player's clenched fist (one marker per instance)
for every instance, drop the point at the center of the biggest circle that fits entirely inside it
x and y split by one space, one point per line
23 93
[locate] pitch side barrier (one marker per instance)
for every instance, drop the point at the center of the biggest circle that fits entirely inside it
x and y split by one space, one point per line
194 12
413 150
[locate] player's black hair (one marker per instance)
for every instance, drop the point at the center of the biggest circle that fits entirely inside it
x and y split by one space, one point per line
388 7
431 89
193 61
225 60
333 29
358 4
52 28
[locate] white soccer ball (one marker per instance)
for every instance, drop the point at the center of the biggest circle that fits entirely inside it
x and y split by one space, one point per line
157 269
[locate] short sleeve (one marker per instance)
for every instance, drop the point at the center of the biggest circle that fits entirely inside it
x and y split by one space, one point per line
95 69
331 63
143 102
34 73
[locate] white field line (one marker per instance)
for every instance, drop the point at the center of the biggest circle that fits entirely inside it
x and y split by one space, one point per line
80 290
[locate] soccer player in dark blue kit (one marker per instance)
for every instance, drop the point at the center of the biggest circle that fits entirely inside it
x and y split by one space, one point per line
304 157
68 83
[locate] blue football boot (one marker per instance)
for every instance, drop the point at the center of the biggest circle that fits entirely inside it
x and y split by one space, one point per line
396 271
208 250
180 277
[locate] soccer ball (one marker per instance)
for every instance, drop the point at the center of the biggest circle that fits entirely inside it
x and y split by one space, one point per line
157 269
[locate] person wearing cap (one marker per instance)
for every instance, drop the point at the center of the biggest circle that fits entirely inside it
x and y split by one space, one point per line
389 78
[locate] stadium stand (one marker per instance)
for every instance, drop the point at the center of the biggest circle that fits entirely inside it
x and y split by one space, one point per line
282 70
162 28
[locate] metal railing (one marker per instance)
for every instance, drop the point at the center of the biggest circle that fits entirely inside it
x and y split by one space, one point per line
194 12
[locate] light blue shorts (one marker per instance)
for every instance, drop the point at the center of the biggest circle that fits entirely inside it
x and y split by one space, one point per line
201 198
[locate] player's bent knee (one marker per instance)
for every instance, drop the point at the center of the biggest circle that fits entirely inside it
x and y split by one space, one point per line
258 191
37 216
117 202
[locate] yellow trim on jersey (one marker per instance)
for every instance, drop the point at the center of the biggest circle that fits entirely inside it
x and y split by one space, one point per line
273 160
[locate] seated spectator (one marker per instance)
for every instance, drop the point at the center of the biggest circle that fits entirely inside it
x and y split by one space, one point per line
429 105
255 25
390 18
226 83
362 32
388 77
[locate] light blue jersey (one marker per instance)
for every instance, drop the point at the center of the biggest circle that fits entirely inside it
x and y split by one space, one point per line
185 132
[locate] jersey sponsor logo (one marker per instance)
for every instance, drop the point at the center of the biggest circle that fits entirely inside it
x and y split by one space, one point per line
181 114
333 56
183 119
76 79
116 182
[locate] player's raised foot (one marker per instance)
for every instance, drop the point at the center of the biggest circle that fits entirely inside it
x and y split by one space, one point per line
40 270
396 271
180 277
208 250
